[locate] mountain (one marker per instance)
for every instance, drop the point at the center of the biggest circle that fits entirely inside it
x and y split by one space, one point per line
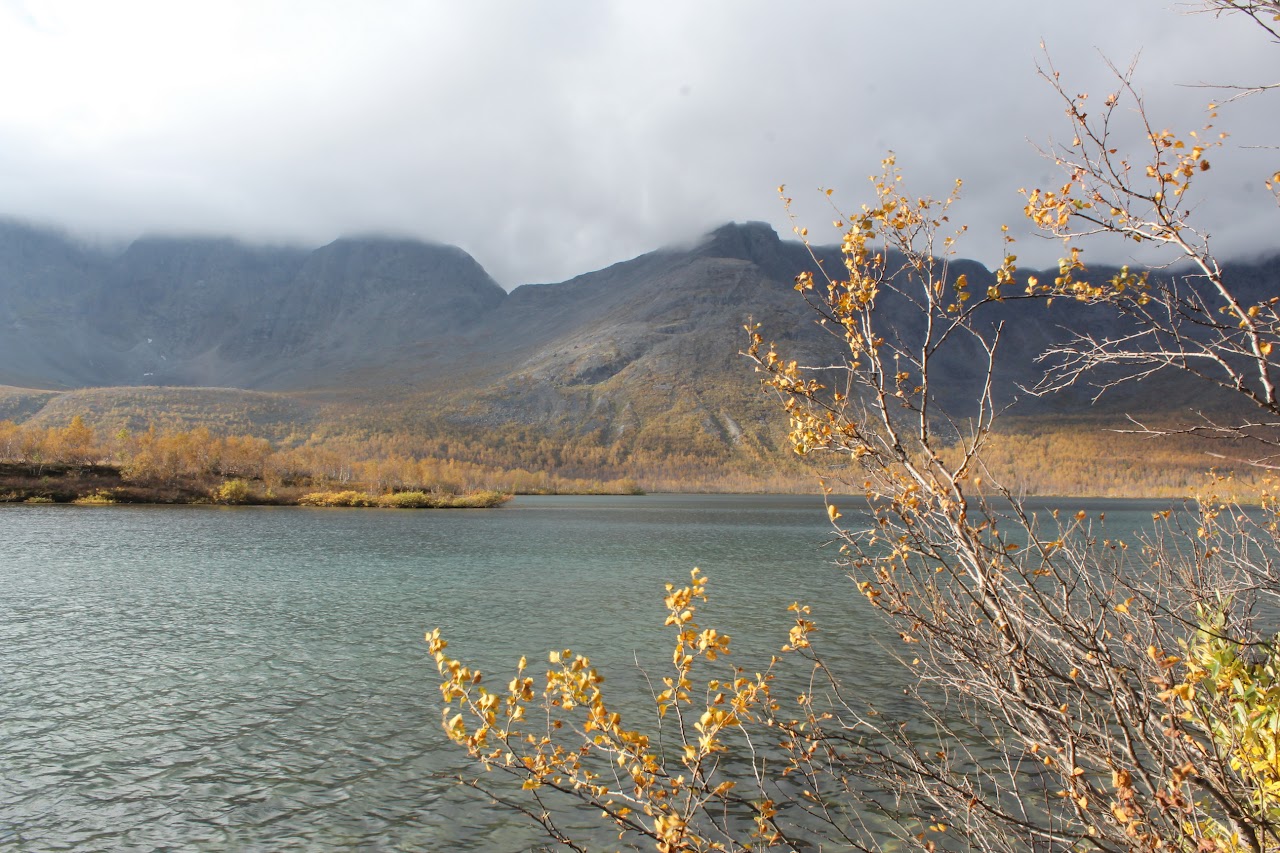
215 312
634 363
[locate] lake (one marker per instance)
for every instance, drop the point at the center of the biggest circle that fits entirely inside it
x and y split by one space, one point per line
256 678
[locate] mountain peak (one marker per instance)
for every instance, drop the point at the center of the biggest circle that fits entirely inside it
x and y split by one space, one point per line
756 242
741 240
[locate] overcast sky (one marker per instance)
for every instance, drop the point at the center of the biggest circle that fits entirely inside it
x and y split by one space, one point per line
549 138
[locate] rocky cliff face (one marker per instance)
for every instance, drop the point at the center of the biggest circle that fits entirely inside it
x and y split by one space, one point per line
190 311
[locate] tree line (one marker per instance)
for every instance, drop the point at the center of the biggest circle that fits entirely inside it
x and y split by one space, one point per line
170 456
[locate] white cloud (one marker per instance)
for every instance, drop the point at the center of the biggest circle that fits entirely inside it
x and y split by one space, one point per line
552 138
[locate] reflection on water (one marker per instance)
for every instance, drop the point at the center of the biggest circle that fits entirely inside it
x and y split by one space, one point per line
256 678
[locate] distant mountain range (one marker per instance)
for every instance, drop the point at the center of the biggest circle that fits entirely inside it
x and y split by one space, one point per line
381 334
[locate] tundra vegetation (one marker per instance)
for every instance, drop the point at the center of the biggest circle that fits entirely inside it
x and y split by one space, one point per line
1070 689
79 463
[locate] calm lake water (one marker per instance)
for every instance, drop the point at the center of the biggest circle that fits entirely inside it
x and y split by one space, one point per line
256 679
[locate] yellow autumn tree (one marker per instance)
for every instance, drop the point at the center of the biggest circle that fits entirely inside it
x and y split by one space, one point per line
74 444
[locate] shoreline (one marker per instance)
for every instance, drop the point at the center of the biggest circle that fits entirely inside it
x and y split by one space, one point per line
105 485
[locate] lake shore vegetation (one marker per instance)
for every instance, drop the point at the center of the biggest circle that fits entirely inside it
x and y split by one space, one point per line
78 464
1076 455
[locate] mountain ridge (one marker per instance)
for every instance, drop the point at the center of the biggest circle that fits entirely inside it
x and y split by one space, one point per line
638 360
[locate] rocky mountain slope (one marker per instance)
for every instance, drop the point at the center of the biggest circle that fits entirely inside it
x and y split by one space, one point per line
377 334
183 311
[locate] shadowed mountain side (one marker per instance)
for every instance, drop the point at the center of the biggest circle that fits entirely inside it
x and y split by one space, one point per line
47 282
179 311
214 312
360 303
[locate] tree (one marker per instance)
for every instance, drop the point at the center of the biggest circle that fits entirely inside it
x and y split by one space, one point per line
1071 691
75 444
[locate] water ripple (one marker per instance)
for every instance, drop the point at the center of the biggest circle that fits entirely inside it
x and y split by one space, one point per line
228 679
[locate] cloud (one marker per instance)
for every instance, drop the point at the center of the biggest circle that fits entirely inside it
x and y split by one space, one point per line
553 138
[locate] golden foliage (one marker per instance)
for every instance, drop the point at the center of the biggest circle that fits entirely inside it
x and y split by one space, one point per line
558 732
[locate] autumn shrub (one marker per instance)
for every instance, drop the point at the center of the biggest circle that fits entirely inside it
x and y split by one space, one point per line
232 492
408 500
347 498
96 498
475 500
